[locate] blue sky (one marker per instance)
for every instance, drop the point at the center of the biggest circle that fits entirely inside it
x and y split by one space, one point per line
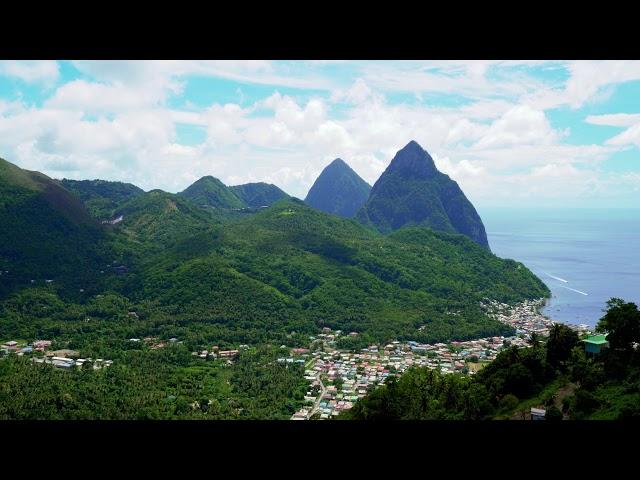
526 134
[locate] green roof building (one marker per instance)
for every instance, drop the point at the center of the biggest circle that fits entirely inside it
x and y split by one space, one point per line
594 344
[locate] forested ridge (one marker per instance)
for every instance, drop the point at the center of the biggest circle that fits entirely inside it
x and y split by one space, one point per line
175 268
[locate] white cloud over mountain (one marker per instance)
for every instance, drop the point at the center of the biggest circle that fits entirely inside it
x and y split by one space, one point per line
487 124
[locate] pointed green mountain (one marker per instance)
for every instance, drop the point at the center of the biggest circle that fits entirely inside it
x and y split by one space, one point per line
211 192
412 191
338 190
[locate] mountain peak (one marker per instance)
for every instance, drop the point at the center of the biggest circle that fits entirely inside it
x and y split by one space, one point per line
338 190
259 194
413 161
412 191
338 162
209 191
206 179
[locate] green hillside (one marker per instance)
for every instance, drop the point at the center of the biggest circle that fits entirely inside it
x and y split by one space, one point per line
211 192
258 194
100 196
291 268
47 233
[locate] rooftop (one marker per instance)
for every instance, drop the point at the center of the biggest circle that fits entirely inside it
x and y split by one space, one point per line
596 339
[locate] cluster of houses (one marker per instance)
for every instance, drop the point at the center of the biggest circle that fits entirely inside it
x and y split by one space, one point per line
66 362
21 348
40 353
153 342
215 353
525 317
339 378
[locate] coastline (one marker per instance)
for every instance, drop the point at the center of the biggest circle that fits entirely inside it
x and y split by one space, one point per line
527 317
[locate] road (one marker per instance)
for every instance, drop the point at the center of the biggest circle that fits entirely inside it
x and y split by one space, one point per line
323 390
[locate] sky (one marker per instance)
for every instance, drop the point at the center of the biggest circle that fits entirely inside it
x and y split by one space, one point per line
511 133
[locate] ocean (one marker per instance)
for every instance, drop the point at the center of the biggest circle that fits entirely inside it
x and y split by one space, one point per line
585 256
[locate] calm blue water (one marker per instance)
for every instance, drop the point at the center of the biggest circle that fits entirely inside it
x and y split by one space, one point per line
585 256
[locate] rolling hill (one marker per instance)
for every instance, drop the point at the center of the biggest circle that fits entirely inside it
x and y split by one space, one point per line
211 192
259 194
102 197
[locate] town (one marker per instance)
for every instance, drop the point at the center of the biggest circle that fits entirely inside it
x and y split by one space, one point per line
339 378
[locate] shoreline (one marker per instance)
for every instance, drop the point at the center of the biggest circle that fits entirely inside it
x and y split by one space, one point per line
527 317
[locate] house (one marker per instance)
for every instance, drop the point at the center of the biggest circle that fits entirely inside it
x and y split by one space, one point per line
594 344
64 353
41 344
538 413
228 353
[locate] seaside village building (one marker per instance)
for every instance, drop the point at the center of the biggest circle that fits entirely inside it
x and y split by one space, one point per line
538 413
594 344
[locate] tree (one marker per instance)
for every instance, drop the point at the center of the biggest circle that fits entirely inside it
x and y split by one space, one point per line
338 382
562 340
508 402
534 340
622 322
553 414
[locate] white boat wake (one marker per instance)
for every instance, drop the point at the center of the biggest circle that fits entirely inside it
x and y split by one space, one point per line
574 290
556 278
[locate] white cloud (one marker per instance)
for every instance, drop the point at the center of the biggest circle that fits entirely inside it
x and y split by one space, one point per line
587 77
589 81
31 71
116 124
466 78
90 97
630 136
615 119
465 130
357 94
261 72
520 125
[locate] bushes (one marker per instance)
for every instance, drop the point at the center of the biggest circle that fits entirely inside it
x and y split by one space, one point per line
553 414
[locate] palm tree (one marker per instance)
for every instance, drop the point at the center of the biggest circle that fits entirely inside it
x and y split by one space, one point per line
534 340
